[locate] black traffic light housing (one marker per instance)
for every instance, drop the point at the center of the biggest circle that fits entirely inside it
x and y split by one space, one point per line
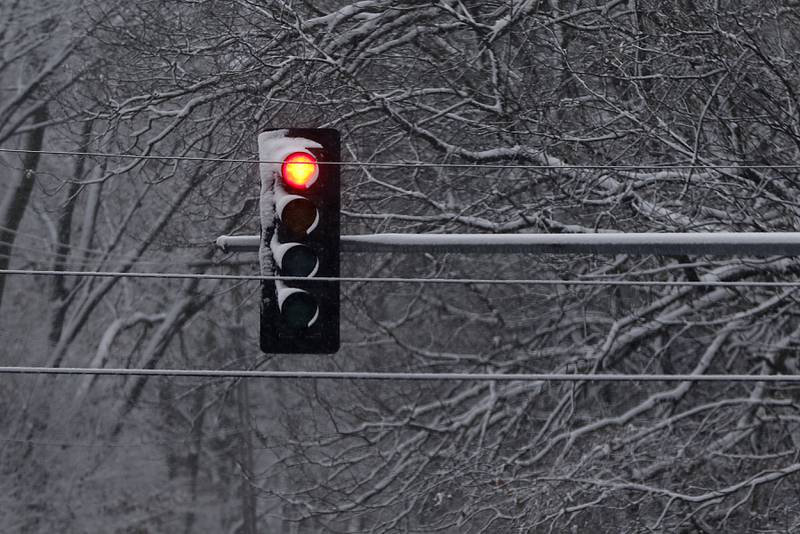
299 237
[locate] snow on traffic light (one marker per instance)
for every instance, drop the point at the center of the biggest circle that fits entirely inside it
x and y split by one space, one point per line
299 209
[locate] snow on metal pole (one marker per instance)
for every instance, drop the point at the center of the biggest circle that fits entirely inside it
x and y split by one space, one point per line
709 243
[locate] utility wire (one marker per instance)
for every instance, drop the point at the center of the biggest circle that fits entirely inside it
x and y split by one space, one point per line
415 164
399 280
71 263
93 259
95 252
123 444
390 376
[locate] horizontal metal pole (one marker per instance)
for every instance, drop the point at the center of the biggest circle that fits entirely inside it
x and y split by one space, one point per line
709 243
238 243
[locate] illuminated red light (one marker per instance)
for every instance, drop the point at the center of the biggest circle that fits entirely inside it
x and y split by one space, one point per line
300 170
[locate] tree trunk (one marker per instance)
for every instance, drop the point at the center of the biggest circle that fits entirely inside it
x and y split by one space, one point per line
59 287
16 200
246 461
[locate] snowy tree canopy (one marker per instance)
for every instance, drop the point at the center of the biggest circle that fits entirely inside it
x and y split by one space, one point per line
596 117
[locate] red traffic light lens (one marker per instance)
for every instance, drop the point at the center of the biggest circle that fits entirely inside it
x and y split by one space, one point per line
300 170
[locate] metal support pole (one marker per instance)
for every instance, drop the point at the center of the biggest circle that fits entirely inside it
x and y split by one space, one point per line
710 243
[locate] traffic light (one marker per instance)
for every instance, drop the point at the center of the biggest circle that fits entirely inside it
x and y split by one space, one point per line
299 237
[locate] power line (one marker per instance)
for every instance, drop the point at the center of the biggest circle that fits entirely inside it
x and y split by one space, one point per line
94 256
392 376
93 259
417 164
72 247
123 444
91 444
70 263
398 280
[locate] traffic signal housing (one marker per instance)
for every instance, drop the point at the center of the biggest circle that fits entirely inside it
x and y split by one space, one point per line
299 205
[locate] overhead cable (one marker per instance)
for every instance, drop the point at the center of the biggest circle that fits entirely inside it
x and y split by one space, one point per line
398 376
405 280
420 164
